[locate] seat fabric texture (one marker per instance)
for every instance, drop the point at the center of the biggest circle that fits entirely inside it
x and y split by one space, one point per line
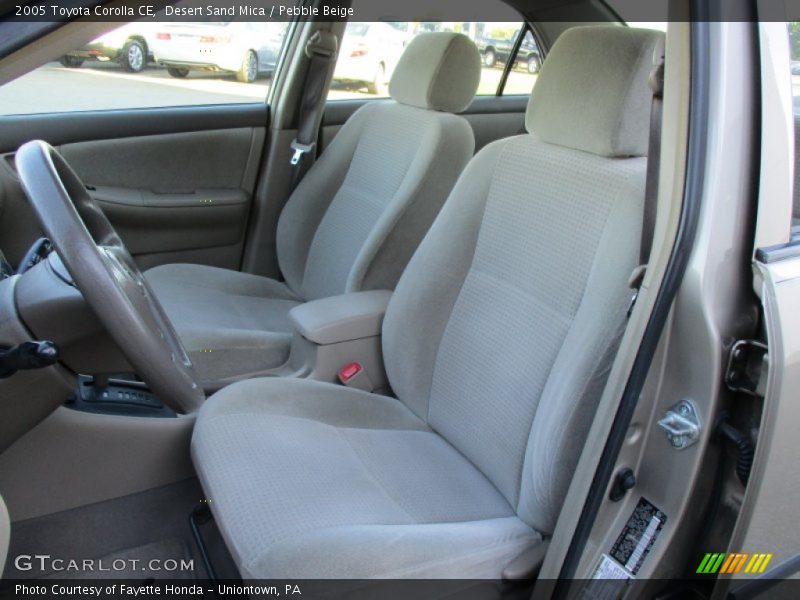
230 322
336 471
497 343
353 222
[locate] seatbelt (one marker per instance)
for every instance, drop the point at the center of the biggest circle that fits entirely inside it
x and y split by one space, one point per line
321 50
651 181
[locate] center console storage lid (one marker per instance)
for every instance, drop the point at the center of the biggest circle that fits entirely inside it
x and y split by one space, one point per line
341 318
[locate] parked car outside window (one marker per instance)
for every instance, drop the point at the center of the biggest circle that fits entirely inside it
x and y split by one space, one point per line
496 51
130 46
245 49
370 50
369 54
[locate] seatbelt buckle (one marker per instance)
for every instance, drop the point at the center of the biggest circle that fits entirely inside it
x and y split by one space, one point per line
353 375
300 150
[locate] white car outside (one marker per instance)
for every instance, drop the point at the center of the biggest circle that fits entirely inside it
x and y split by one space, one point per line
369 54
243 48
130 45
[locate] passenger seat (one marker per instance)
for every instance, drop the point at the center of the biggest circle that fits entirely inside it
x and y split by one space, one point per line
353 222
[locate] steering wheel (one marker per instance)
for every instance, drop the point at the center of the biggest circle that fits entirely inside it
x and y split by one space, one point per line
107 276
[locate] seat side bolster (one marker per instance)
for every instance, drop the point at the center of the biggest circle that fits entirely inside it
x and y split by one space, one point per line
578 376
424 297
428 183
307 205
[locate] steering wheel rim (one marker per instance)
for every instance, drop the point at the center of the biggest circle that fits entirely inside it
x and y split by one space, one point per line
107 276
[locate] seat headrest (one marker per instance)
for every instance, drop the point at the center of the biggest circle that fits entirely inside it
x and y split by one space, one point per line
592 93
437 71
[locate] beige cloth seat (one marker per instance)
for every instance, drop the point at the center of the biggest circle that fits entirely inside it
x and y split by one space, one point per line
353 222
497 343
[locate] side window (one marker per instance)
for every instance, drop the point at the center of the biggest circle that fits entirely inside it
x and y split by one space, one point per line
527 63
794 47
369 52
145 65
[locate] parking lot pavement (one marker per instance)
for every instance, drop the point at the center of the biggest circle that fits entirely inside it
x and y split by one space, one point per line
104 86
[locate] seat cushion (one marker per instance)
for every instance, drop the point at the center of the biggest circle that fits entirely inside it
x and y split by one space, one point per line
313 480
231 323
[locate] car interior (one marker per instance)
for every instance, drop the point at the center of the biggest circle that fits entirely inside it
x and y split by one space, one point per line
478 297
374 353
352 223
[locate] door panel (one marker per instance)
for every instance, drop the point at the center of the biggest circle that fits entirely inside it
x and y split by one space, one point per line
173 198
176 189
492 117
166 163
66 128
207 232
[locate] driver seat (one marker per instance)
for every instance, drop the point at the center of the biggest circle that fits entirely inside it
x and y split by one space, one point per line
353 222
497 343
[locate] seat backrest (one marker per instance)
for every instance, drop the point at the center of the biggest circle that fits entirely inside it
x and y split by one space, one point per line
360 212
501 330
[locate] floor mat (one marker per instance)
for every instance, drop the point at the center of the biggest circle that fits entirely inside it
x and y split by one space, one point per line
166 559
149 525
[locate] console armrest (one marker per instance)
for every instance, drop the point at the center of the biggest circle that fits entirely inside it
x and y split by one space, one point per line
341 318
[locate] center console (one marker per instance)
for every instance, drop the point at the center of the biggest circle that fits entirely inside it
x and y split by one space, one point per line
340 332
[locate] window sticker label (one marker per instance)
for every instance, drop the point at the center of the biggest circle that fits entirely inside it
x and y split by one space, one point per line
610 569
637 538
610 581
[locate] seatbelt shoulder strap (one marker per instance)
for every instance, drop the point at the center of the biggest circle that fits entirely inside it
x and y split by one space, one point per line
321 50
650 207
653 156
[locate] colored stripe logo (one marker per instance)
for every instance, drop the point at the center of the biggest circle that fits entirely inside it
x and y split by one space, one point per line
733 562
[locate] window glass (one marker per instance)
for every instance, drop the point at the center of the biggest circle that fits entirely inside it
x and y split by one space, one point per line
657 25
369 53
793 28
153 64
526 67
794 48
